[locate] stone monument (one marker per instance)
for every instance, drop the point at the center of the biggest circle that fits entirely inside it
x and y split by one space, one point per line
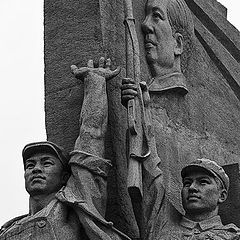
200 120
68 192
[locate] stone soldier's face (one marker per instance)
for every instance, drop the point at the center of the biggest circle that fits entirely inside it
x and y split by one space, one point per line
201 193
43 174
159 40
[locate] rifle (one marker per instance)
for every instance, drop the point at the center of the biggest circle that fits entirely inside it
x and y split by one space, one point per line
138 146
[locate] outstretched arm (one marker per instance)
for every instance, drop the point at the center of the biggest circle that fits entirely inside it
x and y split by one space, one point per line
86 188
94 113
89 168
153 202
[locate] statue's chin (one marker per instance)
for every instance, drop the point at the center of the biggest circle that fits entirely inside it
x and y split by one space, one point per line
158 67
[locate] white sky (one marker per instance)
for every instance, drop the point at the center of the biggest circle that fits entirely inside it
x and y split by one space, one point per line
22 94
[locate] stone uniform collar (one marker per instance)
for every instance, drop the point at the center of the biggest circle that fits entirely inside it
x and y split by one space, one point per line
214 222
174 81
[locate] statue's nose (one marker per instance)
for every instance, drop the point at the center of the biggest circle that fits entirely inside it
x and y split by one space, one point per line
147 26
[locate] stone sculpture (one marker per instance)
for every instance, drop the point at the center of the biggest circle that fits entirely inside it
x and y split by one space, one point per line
202 123
183 127
64 203
205 187
168 34
168 31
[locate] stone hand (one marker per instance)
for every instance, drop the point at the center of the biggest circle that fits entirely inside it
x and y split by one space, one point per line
128 90
103 69
145 93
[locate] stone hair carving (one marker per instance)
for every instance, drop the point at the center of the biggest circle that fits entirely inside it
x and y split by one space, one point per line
180 19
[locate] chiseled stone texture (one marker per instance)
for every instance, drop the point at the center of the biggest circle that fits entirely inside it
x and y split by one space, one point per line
76 31
203 123
219 7
229 210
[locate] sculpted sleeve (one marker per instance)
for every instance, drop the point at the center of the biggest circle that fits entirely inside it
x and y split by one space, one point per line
157 210
86 188
154 212
89 168
159 215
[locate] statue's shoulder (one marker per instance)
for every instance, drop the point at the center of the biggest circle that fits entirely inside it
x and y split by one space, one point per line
231 228
11 222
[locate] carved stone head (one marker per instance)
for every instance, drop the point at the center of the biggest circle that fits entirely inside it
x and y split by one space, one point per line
45 166
205 186
168 29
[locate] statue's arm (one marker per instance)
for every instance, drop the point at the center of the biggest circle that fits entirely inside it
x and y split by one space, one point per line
86 189
89 169
94 113
153 203
151 163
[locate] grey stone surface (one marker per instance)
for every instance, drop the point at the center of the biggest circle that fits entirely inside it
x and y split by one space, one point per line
68 192
219 7
203 123
76 31
232 204
205 189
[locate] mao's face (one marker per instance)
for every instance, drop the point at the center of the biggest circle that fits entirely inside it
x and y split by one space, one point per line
43 174
200 193
159 40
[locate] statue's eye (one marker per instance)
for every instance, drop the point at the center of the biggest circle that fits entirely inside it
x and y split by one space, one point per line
157 16
187 183
48 163
204 181
29 165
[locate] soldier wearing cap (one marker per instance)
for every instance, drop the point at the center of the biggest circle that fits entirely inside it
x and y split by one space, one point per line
67 194
205 187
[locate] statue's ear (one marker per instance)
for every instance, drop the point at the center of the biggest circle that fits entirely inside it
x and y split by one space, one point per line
223 196
179 44
65 177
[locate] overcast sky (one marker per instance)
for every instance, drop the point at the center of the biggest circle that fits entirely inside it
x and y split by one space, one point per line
22 94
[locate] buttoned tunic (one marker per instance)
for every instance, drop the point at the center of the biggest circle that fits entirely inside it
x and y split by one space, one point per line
208 229
77 210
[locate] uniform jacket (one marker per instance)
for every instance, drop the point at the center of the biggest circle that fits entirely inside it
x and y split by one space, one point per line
77 210
208 229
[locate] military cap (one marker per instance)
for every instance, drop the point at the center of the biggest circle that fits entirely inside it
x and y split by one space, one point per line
211 167
45 147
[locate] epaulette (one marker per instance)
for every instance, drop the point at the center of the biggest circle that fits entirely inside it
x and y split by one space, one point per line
231 228
11 222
